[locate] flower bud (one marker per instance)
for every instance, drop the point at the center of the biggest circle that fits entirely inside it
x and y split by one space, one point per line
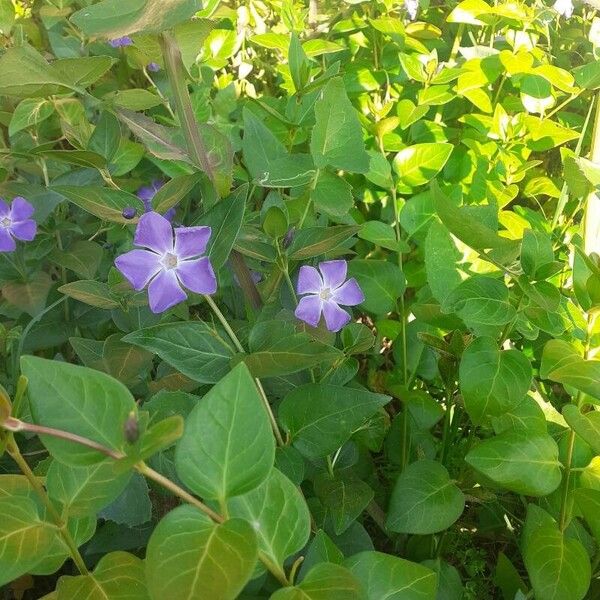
288 238
131 429
129 212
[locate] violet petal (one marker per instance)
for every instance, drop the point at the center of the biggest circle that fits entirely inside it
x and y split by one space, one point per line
7 243
20 209
165 292
154 232
138 267
309 310
191 241
335 317
349 294
334 273
309 280
24 230
4 209
197 275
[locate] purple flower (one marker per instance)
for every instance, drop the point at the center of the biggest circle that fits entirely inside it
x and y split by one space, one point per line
167 264
325 291
147 192
15 223
120 42
153 67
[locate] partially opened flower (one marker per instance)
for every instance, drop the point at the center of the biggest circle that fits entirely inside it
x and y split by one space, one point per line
15 223
147 192
325 291
153 67
564 8
120 42
167 263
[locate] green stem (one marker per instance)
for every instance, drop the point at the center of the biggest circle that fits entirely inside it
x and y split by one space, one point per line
15 454
183 104
236 342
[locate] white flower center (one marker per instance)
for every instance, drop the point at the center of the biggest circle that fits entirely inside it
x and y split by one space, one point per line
325 294
169 261
5 222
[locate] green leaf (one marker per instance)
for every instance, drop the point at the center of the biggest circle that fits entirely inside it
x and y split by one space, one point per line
382 283
441 259
30 296
557 567
227 448
332 195
83 70
82 257
162 142
469 229
336 129
106 137
586 426
382 234
118 576
113 18
136 99
78 400
194 348
289 355
315 241
174 191
522 462
30 111
25 73
562 363
325 581
424 500
133 507
345 498
588 502
85 490
321 418
225 219
492 381
24 538
536 252
480 302
189 556
94 293
418 164
279 515
106 203
392 578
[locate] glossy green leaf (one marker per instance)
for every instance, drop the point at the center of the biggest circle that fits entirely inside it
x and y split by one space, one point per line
382 283
492 381
24 538
325 581
441 259
118 576
518 461
195 349
30 111
315 241
228 448
279 515
393 578
189 556
424 500
337 128
94 293
81 401
562 363
320 418
585 425
418 164
558 567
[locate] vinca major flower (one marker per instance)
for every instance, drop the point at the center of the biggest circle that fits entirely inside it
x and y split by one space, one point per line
146 194
325 291
167 263
120 42
412 8
15 223
564 8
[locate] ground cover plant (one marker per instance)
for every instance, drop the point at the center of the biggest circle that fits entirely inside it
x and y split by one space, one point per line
299 299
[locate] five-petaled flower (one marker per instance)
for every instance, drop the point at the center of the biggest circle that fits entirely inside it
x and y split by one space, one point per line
120 42
325 291
564 8
167 263
15 223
